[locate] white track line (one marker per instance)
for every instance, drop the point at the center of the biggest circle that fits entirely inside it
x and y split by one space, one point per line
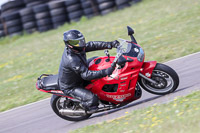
49 98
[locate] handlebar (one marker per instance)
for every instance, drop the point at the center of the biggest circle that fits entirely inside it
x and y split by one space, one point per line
122 48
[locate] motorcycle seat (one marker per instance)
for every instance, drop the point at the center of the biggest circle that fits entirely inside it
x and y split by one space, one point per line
50 82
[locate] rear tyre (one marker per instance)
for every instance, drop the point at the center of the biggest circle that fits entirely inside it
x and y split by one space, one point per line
166 78
59 102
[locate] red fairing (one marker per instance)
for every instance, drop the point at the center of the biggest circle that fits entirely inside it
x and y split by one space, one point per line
125 78
147 68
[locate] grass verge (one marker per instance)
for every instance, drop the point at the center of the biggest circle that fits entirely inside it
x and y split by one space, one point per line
166 29
179 116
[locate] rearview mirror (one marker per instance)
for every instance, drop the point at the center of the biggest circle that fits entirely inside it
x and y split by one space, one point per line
130 31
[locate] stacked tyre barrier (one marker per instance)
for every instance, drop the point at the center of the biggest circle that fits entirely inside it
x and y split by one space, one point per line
134 1
1 27
1 30
106 6
58 13
11 18
12 24
74 10
121 4
90 8
28 20
12 6
43 18
17 16
32 3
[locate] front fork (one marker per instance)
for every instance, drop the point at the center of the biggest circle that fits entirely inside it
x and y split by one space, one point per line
146 71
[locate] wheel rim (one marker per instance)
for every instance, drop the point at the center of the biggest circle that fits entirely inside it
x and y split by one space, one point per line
65 103
164 80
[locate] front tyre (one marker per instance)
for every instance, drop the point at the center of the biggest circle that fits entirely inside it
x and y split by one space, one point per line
166 78
59 102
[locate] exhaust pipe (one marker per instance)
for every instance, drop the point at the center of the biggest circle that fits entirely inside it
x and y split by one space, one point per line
72 112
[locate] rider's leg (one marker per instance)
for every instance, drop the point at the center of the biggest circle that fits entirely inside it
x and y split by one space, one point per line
88 100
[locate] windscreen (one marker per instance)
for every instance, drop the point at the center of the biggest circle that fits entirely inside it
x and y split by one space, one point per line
133 50
128 49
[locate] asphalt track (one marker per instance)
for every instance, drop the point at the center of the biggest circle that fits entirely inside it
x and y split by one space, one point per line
39 118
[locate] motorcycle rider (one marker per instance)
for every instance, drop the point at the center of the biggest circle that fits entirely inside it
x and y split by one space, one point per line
73 70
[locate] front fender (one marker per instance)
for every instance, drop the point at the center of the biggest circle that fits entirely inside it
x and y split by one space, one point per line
147 68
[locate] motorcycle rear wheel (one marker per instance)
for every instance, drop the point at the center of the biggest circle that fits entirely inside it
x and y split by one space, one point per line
57 104
167 80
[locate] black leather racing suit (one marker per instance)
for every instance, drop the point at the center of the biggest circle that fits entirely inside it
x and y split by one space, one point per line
73 72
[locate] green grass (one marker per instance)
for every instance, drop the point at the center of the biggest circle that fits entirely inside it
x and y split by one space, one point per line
166 29
179 116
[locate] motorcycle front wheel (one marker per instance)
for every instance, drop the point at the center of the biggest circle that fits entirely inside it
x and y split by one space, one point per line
60 103
167 80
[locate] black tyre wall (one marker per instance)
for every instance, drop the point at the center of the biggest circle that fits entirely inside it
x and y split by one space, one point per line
88 11
28 19
106 6
74 16
90 8
121 4
43 22
56 4
12 23
26 11
74 7
40 8
10 5
29 25
71 2
43 17
14 29
74 10
32 3
59 18
1 26
86 4
45 28
119 7
58 13
135 1
105 12
2 34
11 16
102 1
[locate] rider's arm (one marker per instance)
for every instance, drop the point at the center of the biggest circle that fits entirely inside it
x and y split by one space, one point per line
99 45
86 74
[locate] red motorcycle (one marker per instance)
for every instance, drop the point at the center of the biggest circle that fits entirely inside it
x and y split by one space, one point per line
122 87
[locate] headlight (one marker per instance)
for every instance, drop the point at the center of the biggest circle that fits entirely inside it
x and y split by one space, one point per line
140 56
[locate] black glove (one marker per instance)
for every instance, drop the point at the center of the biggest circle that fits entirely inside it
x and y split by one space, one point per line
115 44
109 71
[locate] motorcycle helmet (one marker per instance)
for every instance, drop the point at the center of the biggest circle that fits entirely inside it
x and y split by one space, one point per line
75 40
